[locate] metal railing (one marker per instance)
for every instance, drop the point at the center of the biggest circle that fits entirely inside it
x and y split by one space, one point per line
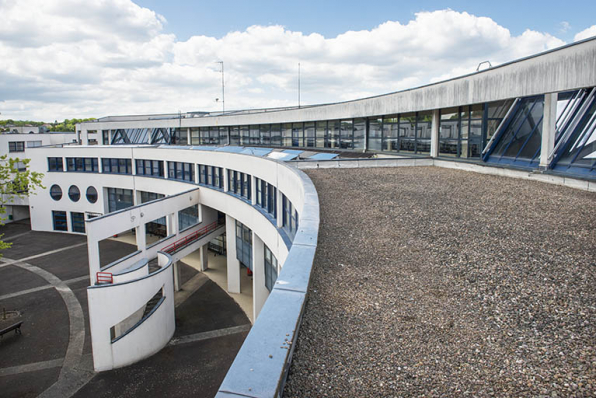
188 239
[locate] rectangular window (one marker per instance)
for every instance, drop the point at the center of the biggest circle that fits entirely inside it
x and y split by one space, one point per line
84 165
33 144
188 217
153 168
346 138
270 269
77 222
16 146
116 166
119 199
375 134
244 245
181 171
289 217
55 164
59 219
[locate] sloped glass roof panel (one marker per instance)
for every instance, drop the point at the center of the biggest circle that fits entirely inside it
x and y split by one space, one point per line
232 149
282 156
323 156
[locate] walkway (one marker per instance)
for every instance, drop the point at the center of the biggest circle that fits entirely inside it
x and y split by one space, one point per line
45 276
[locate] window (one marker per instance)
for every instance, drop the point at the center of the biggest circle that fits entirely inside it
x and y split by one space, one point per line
55 164
270 269
153 168
77 222
188 217
16 146
119 199
239 184
181 171
33 144
211 176
289 217
267 197
244 245
149 196
116 166
86 165
59 220
56 192
91 195
73 193
105 137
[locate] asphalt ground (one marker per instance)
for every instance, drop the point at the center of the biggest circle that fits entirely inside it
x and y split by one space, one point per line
31 363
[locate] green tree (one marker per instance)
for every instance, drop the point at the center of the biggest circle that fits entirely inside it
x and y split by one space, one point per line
16 181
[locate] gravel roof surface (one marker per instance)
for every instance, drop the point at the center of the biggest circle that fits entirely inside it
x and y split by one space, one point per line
437 282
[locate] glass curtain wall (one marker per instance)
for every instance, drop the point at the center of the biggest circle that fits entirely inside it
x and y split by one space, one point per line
375 134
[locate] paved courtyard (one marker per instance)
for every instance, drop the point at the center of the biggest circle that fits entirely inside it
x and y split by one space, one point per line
436 282
45 276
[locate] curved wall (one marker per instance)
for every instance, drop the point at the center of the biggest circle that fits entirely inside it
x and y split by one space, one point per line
279 319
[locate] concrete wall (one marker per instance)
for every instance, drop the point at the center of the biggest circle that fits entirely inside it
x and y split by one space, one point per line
567 68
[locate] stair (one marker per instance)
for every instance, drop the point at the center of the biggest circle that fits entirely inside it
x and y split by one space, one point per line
152 303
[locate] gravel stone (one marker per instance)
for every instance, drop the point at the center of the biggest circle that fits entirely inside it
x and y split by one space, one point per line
437 282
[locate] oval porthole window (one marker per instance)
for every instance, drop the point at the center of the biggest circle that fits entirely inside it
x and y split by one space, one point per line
91 195
56 192
74 194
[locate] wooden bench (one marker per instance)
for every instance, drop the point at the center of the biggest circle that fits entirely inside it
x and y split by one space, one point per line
16 327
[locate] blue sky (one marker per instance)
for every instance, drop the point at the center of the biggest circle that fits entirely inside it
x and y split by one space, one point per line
110 57
332 17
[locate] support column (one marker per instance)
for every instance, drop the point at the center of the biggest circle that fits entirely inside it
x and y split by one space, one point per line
233 262
280 209
226 180
434 134
141 237
259 291
176 269
188 138
549 122
172 224
94 262
204 258
85 136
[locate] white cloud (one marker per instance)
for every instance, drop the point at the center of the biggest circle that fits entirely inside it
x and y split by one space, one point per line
75 58
564 27
584 34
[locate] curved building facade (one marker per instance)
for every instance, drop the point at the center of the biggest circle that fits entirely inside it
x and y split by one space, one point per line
186 179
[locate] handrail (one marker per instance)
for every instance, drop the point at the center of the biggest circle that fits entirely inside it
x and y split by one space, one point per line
179 244
104 277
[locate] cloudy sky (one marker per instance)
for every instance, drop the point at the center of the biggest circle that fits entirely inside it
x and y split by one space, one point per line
79 58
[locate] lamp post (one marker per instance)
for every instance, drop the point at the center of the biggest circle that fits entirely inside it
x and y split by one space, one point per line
223 93
298 84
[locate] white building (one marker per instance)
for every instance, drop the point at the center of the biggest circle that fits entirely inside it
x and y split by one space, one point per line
532 118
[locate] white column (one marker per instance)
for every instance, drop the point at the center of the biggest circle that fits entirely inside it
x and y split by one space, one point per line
188 142
94 262
434 137
85 136
259 291
226 187
172 224
280 209
233 263
204 257
548 128
176 269
141 237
